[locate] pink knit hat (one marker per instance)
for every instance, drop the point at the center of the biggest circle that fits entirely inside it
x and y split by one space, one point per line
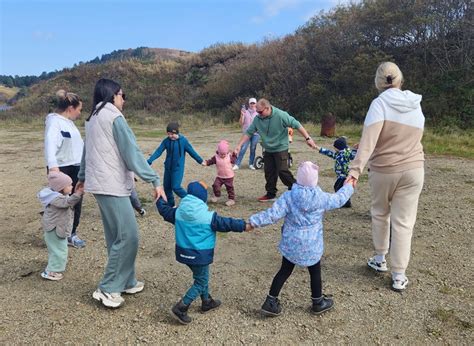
58 181
307 174
223 147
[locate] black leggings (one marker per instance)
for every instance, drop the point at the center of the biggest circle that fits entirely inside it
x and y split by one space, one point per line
285 272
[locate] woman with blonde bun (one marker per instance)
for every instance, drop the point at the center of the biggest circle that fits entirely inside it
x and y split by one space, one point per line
391 145
63 147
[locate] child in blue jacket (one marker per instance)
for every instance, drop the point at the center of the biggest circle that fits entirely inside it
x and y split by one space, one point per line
342 156
196 227
176 146
301 242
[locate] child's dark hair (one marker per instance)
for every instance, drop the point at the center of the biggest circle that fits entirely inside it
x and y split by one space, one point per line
65 99
104 91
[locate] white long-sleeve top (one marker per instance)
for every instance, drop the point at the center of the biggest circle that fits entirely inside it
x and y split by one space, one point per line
63 144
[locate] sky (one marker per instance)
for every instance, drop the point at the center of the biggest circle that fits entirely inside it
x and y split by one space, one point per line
48 35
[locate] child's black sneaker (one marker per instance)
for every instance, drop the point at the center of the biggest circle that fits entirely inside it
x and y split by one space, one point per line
321 305
271 307
180 313
209 304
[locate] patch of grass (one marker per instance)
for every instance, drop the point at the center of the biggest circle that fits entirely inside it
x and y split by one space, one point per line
450 318
452 142
427 272
445 289
8 92
144 200
446 169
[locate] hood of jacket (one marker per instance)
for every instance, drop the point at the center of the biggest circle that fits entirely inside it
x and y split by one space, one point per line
302 195
46 196
192 207
402 101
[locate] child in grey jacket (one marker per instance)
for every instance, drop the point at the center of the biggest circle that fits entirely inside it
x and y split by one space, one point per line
57 221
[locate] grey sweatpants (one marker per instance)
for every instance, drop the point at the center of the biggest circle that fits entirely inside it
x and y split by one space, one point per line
121 236
395 202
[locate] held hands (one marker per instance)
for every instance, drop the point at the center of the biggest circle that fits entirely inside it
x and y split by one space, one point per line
311 144
204 163
248 227
79 188
159 192
237 150
351 180
318 148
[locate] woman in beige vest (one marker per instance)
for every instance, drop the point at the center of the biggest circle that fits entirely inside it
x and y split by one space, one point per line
111 157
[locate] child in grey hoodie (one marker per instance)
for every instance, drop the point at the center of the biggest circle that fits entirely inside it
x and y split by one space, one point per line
57 221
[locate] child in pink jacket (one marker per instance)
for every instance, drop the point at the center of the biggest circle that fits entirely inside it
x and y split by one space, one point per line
224 160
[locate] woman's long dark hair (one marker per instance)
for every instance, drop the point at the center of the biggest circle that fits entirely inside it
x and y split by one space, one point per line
104 91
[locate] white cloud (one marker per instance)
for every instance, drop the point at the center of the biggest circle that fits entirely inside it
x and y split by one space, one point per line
272 8
43 35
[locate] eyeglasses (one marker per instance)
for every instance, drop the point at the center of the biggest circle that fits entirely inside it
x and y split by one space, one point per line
261 112
122 94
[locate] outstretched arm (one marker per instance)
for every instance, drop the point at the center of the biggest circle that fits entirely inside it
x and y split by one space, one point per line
271 215
190 150
338 199
168 213
157 153
327 152
227 224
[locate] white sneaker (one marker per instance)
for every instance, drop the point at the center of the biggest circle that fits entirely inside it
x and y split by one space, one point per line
252 167
400 285
110 300
230 203
377 266
235 167
213 199
135 289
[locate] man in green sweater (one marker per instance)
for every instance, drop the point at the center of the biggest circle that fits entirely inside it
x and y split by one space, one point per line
272 125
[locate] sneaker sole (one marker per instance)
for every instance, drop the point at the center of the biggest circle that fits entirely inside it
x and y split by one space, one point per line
134 290
322 311
269 313
99 297
400 289
52 278
377 269
178 319
266 200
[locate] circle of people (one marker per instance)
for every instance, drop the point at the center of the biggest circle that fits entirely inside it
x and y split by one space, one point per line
109 159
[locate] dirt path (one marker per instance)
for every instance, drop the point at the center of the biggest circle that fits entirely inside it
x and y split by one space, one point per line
438 306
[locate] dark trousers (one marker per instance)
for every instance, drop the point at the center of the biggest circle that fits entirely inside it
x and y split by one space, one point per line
229 185
285 272
276 165
337 186
72 172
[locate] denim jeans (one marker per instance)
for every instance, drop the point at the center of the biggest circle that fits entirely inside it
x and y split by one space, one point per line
253 141
200 286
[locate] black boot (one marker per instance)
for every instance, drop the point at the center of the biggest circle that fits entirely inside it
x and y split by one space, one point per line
180 312
271 307
209 304
321 304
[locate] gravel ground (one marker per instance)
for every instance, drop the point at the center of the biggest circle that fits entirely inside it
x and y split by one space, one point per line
436 308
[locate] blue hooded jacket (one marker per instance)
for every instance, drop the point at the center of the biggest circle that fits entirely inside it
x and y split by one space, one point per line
196 226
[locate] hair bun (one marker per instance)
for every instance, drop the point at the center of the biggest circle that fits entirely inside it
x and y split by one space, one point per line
61 94
389 79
